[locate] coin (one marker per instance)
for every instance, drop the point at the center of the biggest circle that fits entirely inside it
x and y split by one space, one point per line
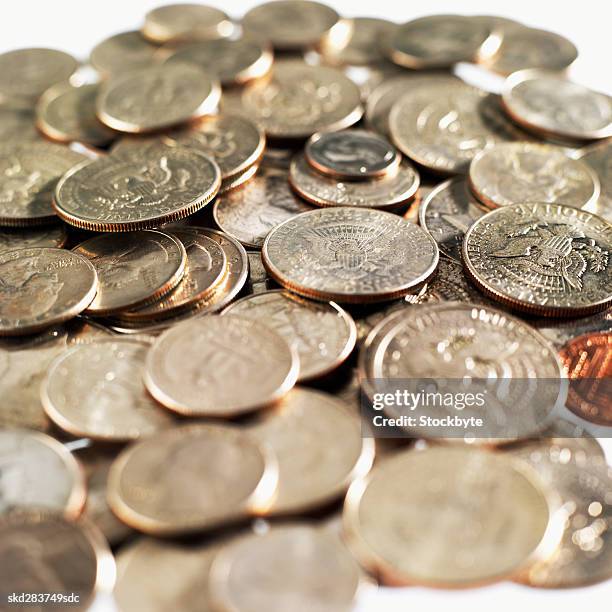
26 73
17 123
122 53
40 287
201 353
126 193
305 568
28 175
587 361
191 478
599 158
156 98
352 154
414 507
548 104
179 23
38 472
319 446
233 61
133 269
546 259
240 179
443 126
259 281
447 213
13 239
349 255
44 553
107 401
291 25
389 192
298 100
249 213
66 113
439 41
323 334
234 142
517 172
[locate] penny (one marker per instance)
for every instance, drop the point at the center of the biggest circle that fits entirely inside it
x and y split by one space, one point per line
547 103
443 126
319 446
233 61
131 192
599 158
291 25
323 334
546 259
17 123
439 41
38 472
123 53
179 23
234 142
298 100
29 173
587 361
414 507
249 213
201 353
40 287
134 269
108 400
13 239
191 478
389 192
349 255
44 553
66 113
517 172
352 154
447 213
26 73
305 569
156 98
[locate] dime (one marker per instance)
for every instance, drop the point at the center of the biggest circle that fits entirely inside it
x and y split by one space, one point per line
291 25
234 142
179 23
44 553
389 192
599 158
298 100
126 193
352 154
66 113
443 126
439 41
416 506
447 213
323 334
26 73
305 569
17 123
516 172
320 449
38 472
106 401
123 53
349 255
191 478
156 98
40 287
547 259
587 361
249 213
133 269
231 61
28 175
547 103
13 239
200 354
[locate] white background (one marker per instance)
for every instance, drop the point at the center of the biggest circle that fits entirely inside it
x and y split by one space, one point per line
77 25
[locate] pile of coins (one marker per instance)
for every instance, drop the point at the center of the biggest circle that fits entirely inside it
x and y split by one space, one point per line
218 237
